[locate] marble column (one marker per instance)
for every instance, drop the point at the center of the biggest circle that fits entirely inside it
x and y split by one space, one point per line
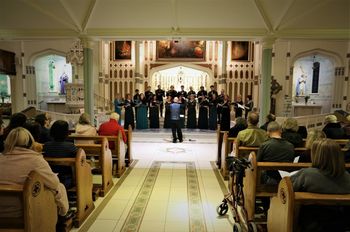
265 81
138 76
88 79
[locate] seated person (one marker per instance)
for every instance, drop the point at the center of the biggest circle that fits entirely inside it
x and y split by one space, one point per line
240 125
328 176
252 136
16 120
44 132
313 135
17 161
269 118
112 128
84 127
290 132
333 129
59 148
275 149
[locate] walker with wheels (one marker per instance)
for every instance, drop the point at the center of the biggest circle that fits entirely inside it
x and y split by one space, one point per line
235 198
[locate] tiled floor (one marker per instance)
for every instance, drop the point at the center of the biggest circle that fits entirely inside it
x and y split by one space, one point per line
172 187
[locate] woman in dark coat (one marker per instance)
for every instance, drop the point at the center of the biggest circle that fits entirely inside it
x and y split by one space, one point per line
203 114
154 112
167 112
213 114
129 112
225 114
191 112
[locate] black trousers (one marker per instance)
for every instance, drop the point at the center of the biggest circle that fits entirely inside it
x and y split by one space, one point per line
176 127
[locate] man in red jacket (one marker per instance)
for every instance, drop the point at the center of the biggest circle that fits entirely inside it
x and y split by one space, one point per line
112 128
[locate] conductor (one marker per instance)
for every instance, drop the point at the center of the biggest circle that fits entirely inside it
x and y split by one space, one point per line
175 120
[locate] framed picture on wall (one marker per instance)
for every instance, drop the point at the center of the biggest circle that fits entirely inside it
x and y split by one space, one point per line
178 50
240 50
122 50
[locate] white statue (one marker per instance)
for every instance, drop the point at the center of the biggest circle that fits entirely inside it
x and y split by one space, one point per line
301 84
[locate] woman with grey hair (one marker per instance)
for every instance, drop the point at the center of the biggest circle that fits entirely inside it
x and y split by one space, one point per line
290 132
17 161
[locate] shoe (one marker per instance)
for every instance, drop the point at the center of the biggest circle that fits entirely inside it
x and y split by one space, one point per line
180 140
174 141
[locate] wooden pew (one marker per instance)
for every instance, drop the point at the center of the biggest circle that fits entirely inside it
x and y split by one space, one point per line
219 139
104 155
83 183
39 207
129 157
284 207
118 153
228 145
252 181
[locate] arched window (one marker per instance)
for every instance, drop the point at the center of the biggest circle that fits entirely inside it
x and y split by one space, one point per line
236 74
231 74
230 90
315 76
115 74
125 73
120 74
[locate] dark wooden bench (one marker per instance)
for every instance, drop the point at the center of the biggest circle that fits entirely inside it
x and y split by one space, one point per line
39 207
103 154
253 187
118 153
284 207
83 184
219 139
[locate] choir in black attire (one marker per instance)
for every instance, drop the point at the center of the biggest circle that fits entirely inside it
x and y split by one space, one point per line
225 114
129 112
160 94
191 113
154 112
213 119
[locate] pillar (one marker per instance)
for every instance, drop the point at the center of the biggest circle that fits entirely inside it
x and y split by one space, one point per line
88 79
265 81
137 74
223 76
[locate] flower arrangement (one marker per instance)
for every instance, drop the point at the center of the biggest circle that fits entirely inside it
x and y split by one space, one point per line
307 97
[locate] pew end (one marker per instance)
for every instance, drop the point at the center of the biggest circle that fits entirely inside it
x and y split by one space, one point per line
83 183
284 208
38 202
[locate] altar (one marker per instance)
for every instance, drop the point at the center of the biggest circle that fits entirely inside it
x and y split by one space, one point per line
306 109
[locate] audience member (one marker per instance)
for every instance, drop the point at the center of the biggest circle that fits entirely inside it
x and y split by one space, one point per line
312 136
16 120
60 148
84 127
16 163
252 136
275 149
240 125
326 176
269 118
289 132
44 132
333 129
112 128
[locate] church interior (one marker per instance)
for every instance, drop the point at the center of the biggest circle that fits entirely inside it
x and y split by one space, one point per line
263 60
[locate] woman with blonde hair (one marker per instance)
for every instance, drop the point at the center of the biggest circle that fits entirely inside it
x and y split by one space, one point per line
84 127
326 176
312 136
17 161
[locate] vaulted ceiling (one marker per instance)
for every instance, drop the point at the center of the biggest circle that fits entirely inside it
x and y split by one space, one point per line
210 19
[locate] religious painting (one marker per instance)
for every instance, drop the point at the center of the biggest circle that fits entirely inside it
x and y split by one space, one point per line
178 50
240 50
122 50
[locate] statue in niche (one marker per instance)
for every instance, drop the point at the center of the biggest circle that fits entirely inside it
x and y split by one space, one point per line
63 82
301 83
275 89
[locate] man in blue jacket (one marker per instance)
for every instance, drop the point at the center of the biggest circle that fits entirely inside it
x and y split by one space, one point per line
175 120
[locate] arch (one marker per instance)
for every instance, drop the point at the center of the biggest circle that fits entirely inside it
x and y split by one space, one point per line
231 74
246 91
230 90
110 90
174 65
125 73
120 74
246 74
45 52
236 74
115 74
126 87
121 89
235 91
131 87
115 88
335 57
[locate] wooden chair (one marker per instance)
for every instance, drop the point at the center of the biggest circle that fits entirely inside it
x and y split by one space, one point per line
104 155
83 183
284 207
118 153
39 207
